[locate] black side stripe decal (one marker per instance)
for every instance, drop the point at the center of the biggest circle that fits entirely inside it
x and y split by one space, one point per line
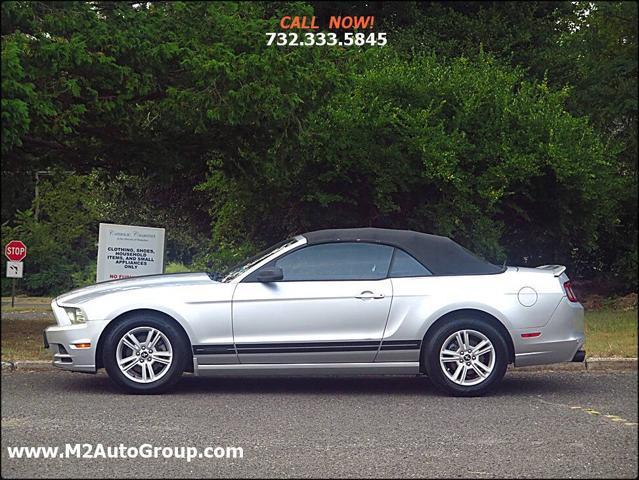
213 349
401 344
366 343
310 349
306 347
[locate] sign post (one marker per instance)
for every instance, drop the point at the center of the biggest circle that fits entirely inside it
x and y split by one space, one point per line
129 251
15 251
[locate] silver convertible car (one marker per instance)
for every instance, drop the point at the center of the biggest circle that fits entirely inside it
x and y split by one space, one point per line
351 301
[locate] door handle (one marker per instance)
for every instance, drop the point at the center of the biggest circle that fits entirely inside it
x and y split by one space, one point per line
367 294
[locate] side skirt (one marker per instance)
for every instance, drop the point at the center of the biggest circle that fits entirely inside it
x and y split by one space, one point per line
379 368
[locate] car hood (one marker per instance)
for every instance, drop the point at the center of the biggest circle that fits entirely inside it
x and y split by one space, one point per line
82 295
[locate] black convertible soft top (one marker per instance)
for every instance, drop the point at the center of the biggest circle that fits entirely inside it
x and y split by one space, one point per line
441 255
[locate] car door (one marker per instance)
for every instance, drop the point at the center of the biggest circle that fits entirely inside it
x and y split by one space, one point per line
331 306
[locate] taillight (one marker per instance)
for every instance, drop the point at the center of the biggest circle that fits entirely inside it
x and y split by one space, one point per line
569 292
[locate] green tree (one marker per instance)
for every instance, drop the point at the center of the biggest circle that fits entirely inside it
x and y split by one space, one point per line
599 58
62 242
463 148
494 122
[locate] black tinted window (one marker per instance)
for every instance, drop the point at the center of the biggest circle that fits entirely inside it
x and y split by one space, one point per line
406 266
337 261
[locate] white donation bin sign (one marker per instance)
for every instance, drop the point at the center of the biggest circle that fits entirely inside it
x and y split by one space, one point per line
128 251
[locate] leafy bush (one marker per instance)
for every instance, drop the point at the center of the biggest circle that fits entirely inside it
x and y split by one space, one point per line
62 243
465 148
176 267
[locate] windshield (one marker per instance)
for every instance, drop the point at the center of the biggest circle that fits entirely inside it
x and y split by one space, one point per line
242 267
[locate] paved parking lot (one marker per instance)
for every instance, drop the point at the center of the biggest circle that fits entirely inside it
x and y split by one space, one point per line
538 424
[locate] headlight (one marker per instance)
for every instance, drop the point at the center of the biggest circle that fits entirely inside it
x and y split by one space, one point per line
75 315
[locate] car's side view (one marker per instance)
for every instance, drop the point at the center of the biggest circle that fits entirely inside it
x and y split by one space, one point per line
348 301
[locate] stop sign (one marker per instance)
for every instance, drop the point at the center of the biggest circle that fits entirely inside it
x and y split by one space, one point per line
15 250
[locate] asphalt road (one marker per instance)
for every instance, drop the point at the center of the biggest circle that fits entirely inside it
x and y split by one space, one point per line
331 427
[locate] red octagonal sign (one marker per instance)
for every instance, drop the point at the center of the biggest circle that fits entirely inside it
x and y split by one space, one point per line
15 250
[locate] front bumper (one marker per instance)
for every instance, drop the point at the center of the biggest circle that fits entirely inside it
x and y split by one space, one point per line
560 341
63 342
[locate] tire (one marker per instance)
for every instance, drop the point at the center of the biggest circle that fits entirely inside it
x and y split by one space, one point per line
482 372
144 366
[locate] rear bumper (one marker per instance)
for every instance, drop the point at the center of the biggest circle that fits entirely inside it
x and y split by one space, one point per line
561 339
62 340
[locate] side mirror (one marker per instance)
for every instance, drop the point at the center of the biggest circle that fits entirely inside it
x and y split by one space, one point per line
271 274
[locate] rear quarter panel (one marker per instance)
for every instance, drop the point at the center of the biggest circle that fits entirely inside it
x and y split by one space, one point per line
419 302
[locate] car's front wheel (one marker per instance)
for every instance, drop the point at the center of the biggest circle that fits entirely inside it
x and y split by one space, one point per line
466 357
144 354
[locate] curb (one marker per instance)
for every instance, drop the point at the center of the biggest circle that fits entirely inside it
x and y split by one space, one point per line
7 365
591 364
611 364
33 365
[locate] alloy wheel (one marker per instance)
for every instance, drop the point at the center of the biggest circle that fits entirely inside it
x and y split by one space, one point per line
144 354
467 357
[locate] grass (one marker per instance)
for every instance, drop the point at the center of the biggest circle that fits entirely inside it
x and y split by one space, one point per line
20 299
27 304
22 339
609 333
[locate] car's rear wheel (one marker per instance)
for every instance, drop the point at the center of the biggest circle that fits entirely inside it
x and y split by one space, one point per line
466 357
145 354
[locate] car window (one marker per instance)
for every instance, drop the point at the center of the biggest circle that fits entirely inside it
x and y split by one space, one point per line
242 267
405 265
337 261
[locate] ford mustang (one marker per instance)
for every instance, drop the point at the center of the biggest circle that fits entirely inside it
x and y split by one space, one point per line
347 301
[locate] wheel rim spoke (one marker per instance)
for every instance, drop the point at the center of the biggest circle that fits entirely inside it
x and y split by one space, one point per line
128 362
460 367
134 339
128 344
460 373
477 370
155 340
165 361
479 346
149 336
151 375
483 367
484 351
153 363
449 356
